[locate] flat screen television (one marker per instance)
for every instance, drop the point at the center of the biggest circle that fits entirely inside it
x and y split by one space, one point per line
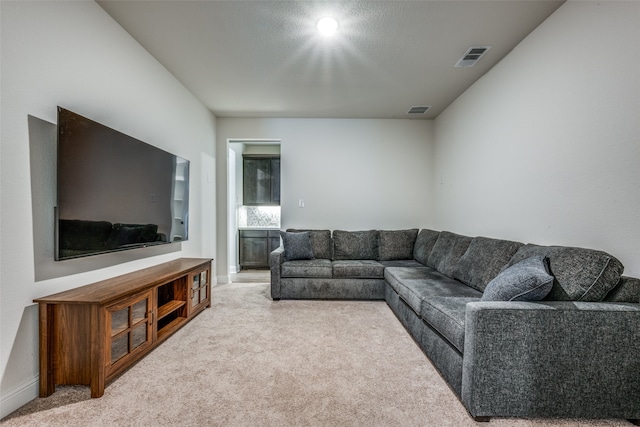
115 192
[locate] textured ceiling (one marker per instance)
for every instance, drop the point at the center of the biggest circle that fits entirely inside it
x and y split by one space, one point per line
266 59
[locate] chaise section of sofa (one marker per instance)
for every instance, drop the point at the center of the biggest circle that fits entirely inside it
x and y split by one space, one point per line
575 354
518 330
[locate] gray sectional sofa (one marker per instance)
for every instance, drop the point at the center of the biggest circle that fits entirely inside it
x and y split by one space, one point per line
516 330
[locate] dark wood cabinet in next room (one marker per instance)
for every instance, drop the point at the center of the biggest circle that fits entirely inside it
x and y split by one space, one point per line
255 247
261 180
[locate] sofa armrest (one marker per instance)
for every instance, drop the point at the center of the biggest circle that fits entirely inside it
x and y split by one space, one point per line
276 258
565 359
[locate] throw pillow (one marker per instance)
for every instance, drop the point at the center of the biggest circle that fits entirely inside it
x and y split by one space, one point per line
527 280
296 246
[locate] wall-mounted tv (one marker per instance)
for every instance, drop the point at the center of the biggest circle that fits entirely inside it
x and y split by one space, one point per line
115 192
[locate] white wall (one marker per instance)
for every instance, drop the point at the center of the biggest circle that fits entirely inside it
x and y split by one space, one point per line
545 148
352 174
74 55
232 208
262 149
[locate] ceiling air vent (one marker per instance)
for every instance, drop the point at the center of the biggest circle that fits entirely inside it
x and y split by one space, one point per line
419 109
471 56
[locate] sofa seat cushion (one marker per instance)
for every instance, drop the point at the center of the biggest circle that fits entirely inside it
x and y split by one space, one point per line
360 269
579 274
415 284
446 315
307 268
401 263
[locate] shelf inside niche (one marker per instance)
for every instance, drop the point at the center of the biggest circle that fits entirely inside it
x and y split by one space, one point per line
169 327
169 307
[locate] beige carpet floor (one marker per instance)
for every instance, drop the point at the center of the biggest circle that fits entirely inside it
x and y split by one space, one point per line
249 361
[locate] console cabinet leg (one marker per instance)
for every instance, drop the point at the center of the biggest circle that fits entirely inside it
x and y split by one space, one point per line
97 352
47 374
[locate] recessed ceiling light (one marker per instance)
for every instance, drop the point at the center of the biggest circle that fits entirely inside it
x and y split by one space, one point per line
327 26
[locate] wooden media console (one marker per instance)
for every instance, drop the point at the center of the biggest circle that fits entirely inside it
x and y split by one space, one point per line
90 334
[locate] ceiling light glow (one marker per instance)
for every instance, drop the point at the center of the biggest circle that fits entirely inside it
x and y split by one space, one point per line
327 26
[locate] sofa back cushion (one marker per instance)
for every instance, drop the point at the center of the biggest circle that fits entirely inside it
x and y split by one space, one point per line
627 290
321 243
483 260
447 251
397 244
355 244
579 274
424 244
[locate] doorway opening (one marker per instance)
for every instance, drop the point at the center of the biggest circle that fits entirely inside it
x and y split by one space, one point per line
256 211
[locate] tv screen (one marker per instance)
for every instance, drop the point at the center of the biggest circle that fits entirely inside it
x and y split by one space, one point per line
115 192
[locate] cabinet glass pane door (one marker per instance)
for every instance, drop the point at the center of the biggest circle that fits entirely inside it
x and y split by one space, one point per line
130 326
119 347
199 288
140 310
119 321
138 336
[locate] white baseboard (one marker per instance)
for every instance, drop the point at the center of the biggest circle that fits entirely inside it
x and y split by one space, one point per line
20 396
221 280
